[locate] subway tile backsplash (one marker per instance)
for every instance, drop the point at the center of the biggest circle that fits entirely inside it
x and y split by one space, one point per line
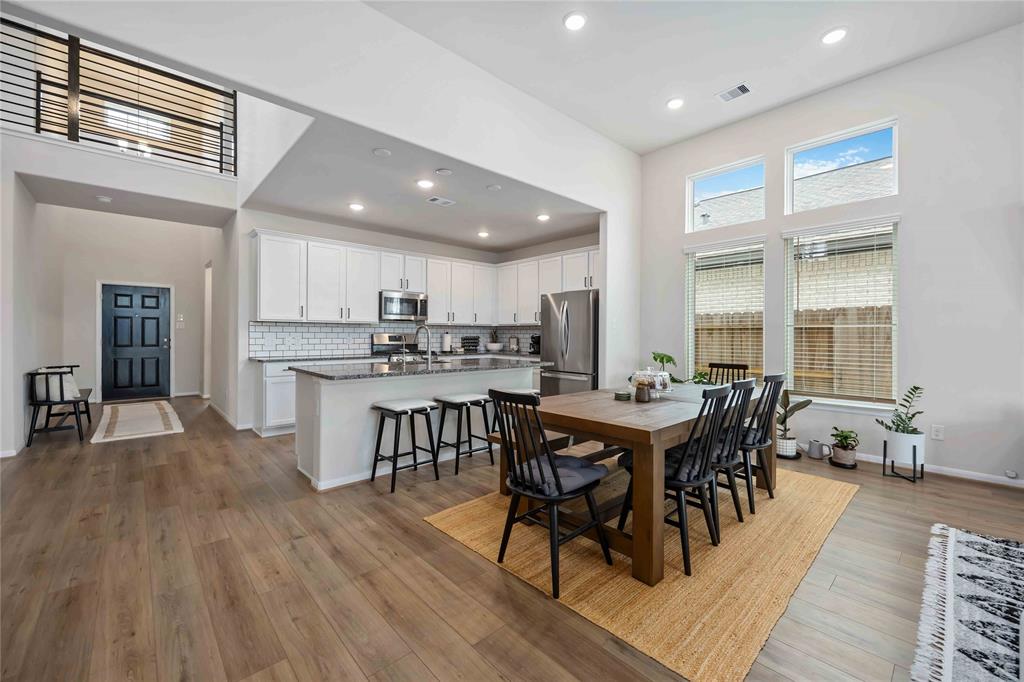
315 340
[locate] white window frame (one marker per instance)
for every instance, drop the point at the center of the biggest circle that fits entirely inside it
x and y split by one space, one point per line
840 404
689 324
792 151
718 170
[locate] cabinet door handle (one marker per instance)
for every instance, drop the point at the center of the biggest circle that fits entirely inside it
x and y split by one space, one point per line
302 311
515 317
348 312
341 312
474 317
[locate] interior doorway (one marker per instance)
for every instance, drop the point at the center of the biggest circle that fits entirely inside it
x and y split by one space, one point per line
207 329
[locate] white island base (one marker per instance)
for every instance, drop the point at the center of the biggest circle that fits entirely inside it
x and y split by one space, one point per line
336 429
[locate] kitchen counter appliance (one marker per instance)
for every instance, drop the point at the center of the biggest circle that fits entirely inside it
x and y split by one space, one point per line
568 341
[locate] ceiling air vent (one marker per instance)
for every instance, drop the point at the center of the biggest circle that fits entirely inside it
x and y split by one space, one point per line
733 93
440 201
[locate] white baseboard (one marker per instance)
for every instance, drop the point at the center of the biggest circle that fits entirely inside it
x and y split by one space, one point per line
950 471
8 453
332 483
204 396
271 431
231 422
185 395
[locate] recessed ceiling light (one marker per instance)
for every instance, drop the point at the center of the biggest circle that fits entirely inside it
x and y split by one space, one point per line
356 207
425 184
381 151
834 36
484 234
574 21
543 217
494 188
675 103
103 200
443 171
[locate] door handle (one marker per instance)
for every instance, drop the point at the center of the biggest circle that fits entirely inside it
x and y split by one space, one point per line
561 375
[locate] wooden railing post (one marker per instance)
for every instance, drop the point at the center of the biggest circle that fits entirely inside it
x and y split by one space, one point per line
74 87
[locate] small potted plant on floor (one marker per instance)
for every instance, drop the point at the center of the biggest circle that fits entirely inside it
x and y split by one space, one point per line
786 444
844 448
901 435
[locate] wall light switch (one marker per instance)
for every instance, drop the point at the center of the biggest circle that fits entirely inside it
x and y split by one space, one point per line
938 432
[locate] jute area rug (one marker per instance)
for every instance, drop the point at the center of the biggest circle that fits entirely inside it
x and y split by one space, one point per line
136 420
709 626
971 616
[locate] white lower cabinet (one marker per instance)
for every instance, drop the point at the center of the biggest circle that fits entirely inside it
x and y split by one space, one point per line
279 402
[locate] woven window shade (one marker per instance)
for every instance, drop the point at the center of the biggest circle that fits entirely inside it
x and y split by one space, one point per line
841 313
725 315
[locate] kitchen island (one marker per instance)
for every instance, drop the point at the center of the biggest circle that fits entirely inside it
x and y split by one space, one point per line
336 427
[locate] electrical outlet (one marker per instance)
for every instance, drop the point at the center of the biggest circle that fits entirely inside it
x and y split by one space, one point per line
938 432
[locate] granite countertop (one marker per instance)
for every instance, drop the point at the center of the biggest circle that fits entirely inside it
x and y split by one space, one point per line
374 370
349 358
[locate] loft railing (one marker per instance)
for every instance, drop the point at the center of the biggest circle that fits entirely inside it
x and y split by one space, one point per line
56 84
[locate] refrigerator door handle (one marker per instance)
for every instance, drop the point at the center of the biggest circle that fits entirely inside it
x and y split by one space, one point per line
563 375
565 329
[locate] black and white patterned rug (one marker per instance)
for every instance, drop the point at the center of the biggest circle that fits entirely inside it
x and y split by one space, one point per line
970 626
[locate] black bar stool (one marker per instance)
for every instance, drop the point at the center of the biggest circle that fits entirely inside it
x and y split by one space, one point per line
396 409
463 402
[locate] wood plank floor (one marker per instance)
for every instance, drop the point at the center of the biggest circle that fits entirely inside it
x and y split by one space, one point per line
205 556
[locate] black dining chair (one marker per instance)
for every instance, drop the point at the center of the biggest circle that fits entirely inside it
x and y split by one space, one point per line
689 478
536 473
727 457
758 436
721 373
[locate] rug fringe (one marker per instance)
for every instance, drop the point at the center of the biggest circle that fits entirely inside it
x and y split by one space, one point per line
929 658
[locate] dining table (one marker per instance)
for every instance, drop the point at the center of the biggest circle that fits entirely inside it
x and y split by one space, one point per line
648 429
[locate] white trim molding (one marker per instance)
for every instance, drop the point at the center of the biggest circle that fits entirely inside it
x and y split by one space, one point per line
955 473
845 226
725 244
8 453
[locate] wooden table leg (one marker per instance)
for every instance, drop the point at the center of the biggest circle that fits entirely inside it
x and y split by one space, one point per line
769 460
648 512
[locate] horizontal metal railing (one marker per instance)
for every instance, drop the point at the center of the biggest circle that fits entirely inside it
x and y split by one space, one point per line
54 84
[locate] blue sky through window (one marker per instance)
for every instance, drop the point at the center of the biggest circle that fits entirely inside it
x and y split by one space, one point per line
748 177
848 152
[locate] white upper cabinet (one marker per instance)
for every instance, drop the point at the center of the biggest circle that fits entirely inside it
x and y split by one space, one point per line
415 274
485 281
596 272
549 277
281 277
362 285
506 300
325 282
399 272
462 293
527 296
575 271
439 287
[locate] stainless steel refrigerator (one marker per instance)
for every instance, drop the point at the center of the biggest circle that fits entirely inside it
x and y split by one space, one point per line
568 341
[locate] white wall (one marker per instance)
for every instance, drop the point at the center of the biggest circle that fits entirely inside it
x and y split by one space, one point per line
279 128
348 60
960 243
92 246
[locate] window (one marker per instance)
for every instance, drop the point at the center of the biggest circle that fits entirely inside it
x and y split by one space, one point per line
136 122
843 168
726 196
725 307
841 313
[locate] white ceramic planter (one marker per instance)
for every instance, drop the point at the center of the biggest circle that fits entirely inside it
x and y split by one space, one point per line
900 447
785 448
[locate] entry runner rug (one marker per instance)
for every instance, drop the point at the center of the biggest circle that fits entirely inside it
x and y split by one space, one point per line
136 420
970 627
709 626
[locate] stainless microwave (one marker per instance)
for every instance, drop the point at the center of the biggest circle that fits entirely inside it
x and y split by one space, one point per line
403 305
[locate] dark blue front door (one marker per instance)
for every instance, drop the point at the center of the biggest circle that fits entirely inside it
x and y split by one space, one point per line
136 342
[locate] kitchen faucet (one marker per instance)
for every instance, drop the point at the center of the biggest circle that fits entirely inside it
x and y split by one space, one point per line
416 335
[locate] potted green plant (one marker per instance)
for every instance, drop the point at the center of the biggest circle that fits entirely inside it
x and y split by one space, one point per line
699 377
844 448
786 444
901 435
665 359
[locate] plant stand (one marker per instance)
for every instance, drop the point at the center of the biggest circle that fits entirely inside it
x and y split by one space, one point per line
914 476
833 462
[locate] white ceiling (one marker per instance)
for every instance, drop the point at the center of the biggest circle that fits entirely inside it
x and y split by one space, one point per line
81 195
332 165
617 73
